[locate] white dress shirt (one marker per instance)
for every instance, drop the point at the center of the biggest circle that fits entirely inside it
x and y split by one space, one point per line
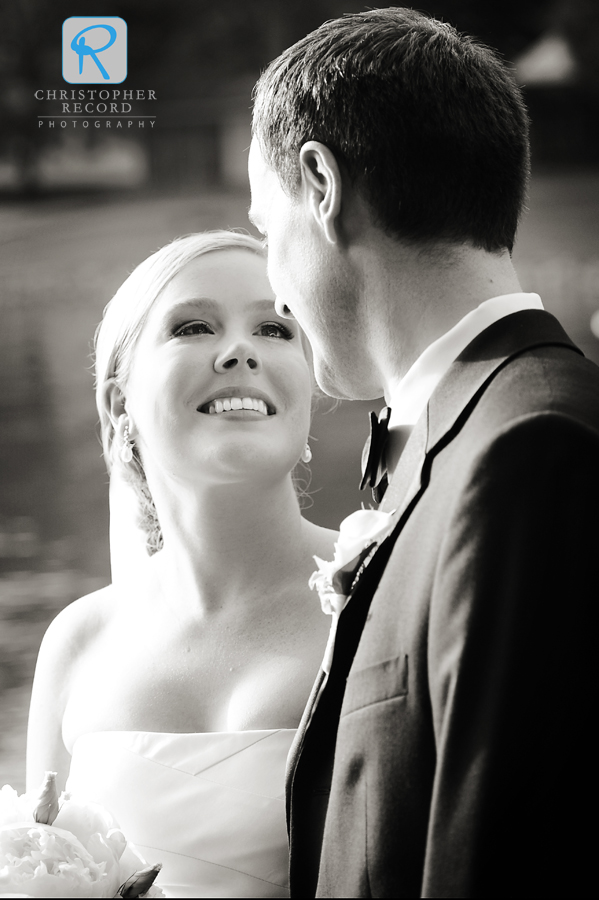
412 394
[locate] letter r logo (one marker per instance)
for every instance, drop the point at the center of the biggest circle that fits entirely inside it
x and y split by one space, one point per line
94 50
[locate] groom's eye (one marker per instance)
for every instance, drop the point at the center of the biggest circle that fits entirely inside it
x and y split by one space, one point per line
275 330
191 328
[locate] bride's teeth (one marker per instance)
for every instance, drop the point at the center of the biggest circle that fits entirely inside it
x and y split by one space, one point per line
229 403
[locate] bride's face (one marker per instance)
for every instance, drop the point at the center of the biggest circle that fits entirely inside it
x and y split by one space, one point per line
220 387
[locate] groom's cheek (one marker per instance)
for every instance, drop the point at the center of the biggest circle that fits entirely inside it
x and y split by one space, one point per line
278 282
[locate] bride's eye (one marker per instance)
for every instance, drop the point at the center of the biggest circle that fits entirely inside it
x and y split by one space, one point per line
275 330
191 328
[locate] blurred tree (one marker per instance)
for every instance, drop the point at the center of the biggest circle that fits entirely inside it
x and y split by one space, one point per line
191 48
203 42
25 57
578 22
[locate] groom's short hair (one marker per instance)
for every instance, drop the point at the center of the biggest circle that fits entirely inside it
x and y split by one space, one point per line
427 123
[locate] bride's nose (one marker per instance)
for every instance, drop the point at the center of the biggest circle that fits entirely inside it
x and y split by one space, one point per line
238 353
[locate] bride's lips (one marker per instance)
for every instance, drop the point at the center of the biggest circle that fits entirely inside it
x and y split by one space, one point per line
217 402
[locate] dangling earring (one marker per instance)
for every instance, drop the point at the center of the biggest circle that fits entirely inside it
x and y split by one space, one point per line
306 454
126 453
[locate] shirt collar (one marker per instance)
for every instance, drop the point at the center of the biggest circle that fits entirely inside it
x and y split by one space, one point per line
411 396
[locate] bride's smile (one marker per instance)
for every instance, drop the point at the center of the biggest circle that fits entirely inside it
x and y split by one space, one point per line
236 400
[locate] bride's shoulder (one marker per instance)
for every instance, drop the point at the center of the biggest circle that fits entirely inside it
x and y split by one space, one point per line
78 624
69 637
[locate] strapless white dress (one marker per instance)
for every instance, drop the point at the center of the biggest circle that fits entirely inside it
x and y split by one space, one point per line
209 807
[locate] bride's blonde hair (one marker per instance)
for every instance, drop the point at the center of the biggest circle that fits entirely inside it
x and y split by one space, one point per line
117 335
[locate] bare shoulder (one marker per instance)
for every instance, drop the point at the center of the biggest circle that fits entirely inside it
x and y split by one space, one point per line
78 624
67 639
321 541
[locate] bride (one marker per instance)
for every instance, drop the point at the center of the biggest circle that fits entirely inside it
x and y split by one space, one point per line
172 695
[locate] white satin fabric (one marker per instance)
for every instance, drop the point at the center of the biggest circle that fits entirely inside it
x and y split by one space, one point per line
209 807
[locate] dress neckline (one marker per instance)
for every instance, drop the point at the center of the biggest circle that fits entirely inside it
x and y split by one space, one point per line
181 734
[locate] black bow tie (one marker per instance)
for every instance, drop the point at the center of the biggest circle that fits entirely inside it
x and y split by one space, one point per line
374 464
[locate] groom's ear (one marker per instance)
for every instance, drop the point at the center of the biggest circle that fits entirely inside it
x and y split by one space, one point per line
322 187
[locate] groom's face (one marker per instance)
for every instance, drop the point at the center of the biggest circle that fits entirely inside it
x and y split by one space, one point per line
311 283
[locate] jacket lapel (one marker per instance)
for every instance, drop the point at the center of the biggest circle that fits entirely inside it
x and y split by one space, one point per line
310 764
459 390
296 747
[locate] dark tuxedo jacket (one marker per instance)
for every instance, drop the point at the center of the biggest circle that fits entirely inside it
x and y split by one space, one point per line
451 752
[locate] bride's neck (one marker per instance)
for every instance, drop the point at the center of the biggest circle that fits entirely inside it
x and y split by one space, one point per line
224 542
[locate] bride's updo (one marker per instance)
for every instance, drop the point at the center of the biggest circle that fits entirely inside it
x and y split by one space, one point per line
117 335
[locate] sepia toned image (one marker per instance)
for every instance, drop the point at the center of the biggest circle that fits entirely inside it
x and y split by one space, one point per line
128 132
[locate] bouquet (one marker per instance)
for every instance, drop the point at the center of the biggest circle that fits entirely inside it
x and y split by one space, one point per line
60 847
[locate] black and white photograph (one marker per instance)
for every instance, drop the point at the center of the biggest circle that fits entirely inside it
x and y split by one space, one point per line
299 448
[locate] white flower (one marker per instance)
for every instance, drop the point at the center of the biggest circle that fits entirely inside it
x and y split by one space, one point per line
15 808
359 535
363 528
46 861
81 854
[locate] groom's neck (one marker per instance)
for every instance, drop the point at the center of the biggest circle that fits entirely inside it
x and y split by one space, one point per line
415 296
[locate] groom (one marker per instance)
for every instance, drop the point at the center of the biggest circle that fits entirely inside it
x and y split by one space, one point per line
450 750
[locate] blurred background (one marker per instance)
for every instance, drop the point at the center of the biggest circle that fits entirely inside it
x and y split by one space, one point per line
80 208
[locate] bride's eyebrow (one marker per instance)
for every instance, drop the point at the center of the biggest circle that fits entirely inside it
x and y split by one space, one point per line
199 304
206 306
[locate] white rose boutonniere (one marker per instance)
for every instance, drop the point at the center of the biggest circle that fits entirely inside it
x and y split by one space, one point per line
359 535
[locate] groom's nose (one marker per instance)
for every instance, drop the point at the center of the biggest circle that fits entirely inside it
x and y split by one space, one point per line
283 310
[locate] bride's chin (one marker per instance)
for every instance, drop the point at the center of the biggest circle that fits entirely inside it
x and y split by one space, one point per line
249 465
256 461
